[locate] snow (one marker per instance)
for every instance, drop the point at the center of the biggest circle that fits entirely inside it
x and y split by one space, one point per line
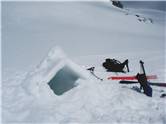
97 27
55 67
89 32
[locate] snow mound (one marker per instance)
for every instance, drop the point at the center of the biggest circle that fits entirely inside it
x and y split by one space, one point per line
57 72
90 102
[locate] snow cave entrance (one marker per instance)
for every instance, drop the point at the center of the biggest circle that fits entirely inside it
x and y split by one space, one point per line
64 80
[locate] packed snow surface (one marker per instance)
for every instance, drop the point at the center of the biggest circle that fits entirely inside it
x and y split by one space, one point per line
89 32
56 70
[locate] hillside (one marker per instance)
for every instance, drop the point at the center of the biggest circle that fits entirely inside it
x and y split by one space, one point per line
88 32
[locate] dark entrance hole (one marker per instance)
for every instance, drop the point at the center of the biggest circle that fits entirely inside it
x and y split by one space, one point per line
64 80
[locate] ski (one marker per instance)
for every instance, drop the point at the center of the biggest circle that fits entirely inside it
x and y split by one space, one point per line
151 83
130 77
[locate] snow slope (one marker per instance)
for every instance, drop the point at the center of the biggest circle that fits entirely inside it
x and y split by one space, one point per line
97 27
89 32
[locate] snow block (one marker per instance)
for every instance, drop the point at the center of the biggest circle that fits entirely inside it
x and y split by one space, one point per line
55 74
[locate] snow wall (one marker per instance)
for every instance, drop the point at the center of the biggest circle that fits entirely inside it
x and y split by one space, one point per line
55 74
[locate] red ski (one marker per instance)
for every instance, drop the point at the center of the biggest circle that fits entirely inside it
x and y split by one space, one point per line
130 77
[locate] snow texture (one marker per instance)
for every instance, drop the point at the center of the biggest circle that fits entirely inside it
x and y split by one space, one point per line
56 70
58 90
